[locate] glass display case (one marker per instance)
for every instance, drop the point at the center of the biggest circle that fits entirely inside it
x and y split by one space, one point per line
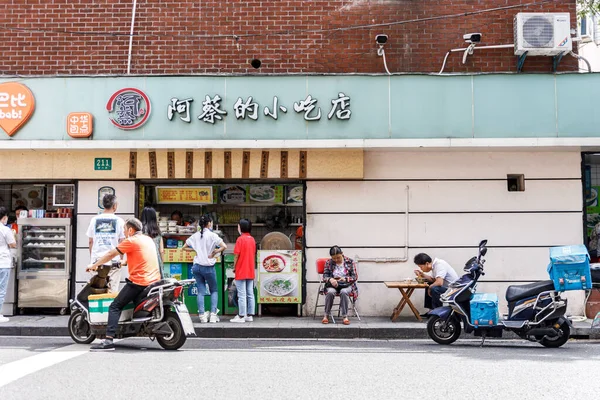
44 262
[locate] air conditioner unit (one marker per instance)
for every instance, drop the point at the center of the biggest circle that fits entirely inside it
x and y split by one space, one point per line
542 34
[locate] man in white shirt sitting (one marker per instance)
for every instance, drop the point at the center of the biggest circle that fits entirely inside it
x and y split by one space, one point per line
442 275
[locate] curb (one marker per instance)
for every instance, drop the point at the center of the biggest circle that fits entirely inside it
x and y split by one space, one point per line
249 332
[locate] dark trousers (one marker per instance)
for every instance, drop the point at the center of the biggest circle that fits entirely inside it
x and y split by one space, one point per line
129 293
433 301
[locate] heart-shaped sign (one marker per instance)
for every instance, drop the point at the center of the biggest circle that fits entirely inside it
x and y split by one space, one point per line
16 106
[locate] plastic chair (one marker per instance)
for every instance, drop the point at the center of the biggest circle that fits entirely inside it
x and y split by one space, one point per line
320 270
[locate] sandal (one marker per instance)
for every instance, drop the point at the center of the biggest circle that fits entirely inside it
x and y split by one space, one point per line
325 320
346 321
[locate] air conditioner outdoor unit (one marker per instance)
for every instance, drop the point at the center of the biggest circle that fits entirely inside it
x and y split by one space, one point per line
542 34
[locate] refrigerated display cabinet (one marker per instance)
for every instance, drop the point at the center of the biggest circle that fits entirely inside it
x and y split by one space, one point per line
44 262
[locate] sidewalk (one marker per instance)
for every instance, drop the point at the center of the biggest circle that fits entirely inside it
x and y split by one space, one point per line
273 328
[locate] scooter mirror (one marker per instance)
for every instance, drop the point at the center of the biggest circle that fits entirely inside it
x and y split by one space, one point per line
483 251
482 243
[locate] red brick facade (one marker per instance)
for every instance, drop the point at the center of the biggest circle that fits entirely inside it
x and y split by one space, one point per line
182 37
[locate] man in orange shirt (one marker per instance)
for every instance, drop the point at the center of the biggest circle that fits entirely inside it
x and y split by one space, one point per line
143 268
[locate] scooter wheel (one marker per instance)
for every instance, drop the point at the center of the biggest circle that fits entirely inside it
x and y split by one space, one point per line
557 341
79 329
443 331
177 338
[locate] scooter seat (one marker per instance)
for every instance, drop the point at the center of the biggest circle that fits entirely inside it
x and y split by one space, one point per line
518 292
143 295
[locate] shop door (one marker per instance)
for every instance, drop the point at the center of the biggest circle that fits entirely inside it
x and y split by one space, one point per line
89 204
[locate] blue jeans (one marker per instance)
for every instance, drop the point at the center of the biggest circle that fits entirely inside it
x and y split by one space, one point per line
245 288
204 275
434 301
4 274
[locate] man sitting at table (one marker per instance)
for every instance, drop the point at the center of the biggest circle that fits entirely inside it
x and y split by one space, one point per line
439 280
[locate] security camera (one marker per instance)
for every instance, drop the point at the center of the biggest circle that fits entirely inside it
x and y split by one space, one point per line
381 39
472 37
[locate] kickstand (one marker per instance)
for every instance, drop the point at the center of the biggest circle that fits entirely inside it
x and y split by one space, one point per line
482 339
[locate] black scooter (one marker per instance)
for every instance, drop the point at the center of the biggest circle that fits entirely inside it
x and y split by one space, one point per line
536 312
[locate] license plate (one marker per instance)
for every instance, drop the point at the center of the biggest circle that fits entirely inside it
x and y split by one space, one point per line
186 320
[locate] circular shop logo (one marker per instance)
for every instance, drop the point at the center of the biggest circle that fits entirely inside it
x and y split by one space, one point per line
129 108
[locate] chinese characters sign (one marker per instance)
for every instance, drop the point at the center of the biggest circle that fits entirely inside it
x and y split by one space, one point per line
212 109
129 108
79 125
16 106
280 277
184 195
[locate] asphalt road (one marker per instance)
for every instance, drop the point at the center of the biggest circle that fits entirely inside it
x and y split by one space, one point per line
54 368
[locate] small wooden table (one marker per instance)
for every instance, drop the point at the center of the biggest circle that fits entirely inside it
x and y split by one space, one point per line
406 290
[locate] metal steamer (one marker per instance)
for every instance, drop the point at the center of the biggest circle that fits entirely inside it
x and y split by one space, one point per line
536 311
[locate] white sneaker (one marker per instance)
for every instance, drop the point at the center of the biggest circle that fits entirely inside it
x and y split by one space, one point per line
214 318
249 318
204 317
237 320
3 318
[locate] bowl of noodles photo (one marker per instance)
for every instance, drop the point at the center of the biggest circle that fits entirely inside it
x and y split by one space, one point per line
273 263
280 285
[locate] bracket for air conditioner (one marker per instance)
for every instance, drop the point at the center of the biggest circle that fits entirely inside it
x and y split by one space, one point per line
521 61
556 60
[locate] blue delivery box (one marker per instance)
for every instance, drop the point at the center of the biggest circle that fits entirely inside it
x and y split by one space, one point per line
484 309
569 268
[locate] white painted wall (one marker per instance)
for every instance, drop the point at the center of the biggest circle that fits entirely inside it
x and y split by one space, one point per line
455 200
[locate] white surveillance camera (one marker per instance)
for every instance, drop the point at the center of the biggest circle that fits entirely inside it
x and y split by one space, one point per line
381 39
472 37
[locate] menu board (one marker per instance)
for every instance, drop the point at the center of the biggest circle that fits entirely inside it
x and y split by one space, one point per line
592 208
294 194
232 194
184 194
265 194
280 277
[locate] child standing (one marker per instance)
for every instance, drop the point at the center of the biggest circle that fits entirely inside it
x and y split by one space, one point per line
207 245
243 266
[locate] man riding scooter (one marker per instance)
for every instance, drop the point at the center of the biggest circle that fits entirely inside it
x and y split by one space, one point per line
143 271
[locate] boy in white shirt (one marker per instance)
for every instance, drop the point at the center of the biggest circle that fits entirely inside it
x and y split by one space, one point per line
105 232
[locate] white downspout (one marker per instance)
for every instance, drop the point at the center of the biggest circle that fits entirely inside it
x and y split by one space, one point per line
131 37
406 231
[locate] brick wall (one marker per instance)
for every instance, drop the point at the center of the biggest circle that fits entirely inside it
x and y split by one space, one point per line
182 37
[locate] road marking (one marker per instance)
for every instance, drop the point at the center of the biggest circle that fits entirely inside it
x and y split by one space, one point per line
18 369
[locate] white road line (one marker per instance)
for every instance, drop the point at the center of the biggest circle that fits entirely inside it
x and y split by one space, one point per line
18 369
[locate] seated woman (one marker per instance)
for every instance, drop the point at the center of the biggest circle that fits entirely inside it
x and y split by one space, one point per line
339 276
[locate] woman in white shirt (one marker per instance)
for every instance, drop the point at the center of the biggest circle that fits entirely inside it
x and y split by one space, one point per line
207 245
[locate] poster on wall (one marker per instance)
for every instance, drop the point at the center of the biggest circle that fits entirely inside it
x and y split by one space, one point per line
265 194
280 277
63 195
30 196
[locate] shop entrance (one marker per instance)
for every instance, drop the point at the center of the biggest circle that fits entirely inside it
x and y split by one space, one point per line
591 209
40 216
275 209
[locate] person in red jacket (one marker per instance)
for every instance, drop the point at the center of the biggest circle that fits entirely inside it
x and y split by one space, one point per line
243 265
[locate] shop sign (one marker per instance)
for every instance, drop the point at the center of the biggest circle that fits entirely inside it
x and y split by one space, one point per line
102 164
213 112
280 277
184 195
129 108
16 106
79 124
